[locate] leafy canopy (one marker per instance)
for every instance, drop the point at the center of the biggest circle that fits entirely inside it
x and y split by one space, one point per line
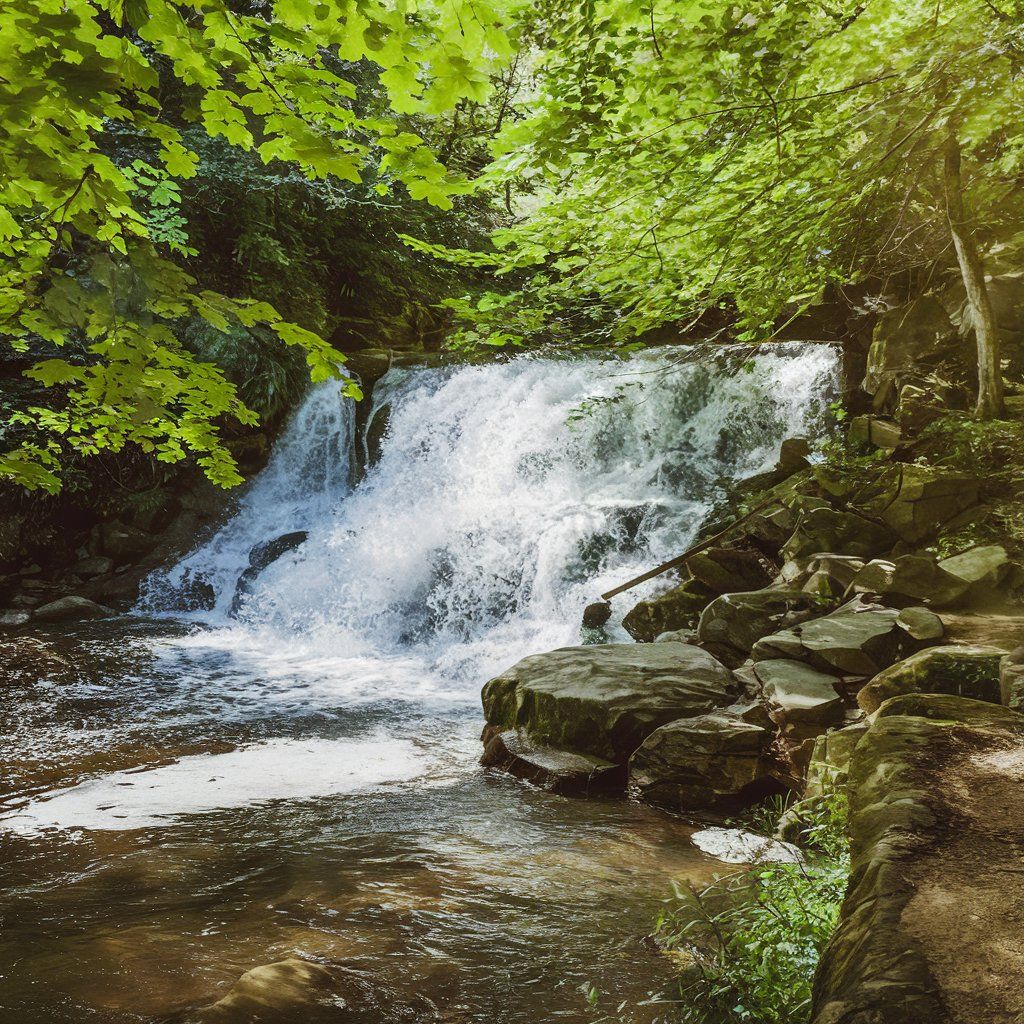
695 155
92 242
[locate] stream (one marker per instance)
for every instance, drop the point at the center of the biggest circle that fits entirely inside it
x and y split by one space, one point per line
233 775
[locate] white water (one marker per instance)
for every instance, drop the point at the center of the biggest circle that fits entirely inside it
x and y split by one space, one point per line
496 512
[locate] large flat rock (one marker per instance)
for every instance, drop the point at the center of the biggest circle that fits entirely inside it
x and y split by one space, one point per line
605 700
932 928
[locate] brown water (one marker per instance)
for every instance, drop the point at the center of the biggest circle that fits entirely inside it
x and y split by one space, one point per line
174 819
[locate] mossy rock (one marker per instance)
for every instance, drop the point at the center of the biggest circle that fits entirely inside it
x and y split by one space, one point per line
675 609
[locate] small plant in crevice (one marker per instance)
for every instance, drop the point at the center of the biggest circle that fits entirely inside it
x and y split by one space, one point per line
748 944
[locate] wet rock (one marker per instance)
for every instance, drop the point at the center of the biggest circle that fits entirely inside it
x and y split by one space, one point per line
858 639
958 671
560 771
936 812
726 570
1011 679
604 700
262 555
732 623
793 454
802 701
595 615
717 760
916 501
70 609
825 529
296 991
678 608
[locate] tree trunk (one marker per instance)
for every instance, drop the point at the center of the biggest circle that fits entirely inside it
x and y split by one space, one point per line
990 381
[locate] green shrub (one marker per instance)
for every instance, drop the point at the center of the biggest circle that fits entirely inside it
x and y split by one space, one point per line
749 943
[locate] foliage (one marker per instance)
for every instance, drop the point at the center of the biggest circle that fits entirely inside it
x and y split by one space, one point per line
699 158
88 235
751 941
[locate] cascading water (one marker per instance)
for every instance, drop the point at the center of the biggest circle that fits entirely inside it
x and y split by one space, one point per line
214 789
505 497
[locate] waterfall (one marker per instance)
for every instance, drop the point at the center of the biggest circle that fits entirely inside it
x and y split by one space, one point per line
504 498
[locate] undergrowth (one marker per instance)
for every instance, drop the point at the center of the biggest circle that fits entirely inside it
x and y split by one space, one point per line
749 943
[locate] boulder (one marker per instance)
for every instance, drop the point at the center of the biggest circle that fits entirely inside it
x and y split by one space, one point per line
958 671
725 570
875 430
94 565
830 758
605 700
123 543
910 578
825 529
921 624
916 501
982 569
929 929
678 608
802 701
858 639
262 555
718 760
559 771
794 453
732 623
70 609
296 991
1011 679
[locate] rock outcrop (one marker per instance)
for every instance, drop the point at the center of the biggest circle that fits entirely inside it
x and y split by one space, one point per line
931 928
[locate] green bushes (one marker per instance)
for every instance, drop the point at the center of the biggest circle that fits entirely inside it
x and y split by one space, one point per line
749 943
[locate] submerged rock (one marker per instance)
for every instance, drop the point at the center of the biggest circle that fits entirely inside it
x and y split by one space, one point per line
604 700
296 991
958 671
561 771
711 761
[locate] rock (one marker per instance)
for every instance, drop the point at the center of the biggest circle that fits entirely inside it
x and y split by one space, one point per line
262 555
13 617
830 759
676 636
921 624
732 623
929 929
959 671
915 501
916 407
736 846
858 639
295 991
606 699
793 454
904 341
595 615
1011 679
725 570
717 760
910 578
874 430
678 608
802 701
123 543
560 771
824 529
94 565
70 609
983 570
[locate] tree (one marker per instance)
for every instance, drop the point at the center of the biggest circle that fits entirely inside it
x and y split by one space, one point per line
695 156
92 246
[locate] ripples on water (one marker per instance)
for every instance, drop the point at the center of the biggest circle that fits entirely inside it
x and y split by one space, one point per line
202 794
